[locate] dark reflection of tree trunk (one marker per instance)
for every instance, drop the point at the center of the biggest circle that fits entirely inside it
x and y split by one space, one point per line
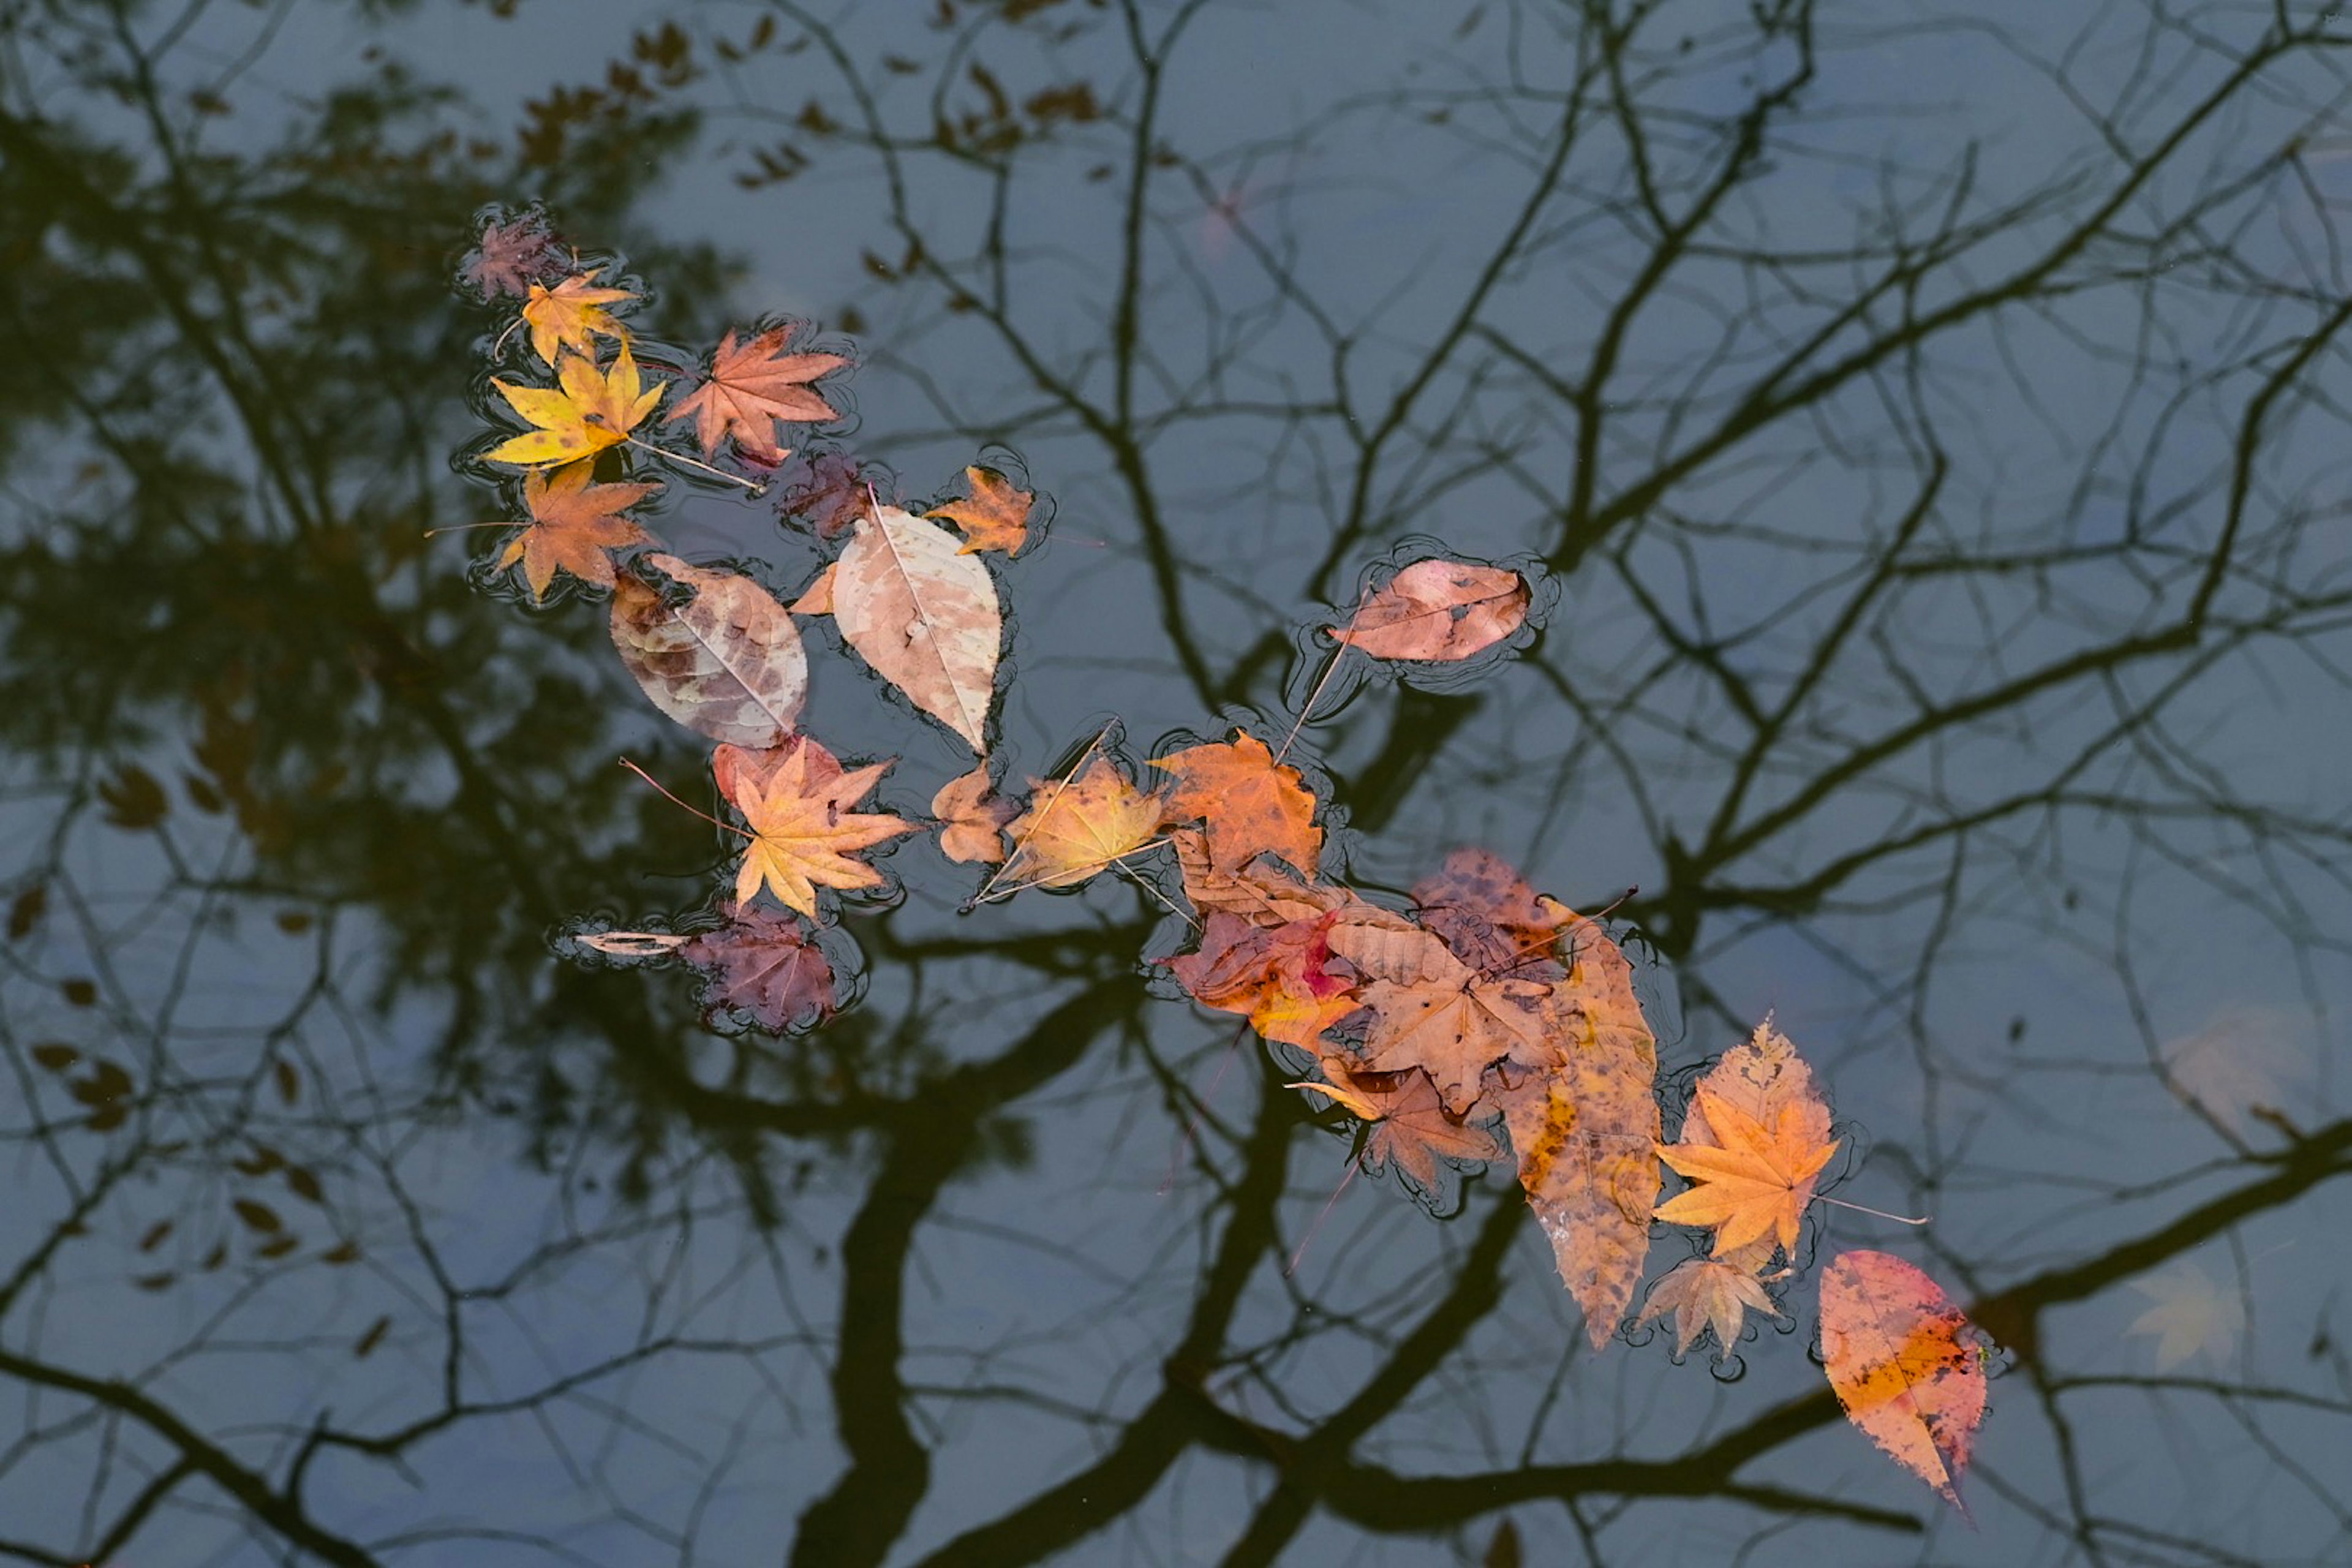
1948 556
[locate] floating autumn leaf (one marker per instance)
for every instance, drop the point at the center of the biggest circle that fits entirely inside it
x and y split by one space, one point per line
1412 1129
924 615
1905 1364
573 525
726 664
798 800
1585 1128
1430 1010
1074 827
1755 1182
589 412
1482 909
1278 976
1249 803
995 516
762 966
752 386
1261 892
1706 1293
971 820
1439 611
832 490
512 257
572 315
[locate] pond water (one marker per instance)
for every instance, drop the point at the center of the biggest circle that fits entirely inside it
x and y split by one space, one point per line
1925 434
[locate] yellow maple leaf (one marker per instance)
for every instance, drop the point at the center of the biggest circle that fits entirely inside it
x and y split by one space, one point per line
585 414
571 315
1074 827
1757 1183
797 799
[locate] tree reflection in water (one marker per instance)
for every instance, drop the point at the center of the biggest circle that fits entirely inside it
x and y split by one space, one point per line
1931 425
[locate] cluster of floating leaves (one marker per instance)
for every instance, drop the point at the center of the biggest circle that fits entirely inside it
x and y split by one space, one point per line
1484 1022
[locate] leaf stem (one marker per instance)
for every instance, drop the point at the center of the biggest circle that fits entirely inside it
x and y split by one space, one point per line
681 457
675 800
1864 1208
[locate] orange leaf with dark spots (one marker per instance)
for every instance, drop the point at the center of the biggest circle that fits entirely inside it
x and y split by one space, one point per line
1439 611
1907 1364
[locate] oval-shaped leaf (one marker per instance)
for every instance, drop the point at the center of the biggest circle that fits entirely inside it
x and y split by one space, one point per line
1905 1364
1439 611
924 614
728 664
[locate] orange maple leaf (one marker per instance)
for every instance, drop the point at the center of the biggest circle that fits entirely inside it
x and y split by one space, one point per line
1249 803
1076 826
572 315
797 799
588 413
1431 1010
1756 1184
573 523
751 386
995 516
1411 1129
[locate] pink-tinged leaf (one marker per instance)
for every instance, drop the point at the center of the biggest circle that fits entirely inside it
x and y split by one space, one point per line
727 663
1906 1362
763 966
924 614
1439 611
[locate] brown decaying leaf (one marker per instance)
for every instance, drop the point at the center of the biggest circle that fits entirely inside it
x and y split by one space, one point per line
762 965
924 615
1706 1293
995 516
1491 920
1428 1009
1076 828
1249 803
971 820
572 315
1260 891
726 664
574 524
1438 611
797 800
1905 1364
752 386
1586 1129
1411 1130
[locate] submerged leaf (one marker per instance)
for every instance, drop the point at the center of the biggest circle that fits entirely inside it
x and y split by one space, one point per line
763 966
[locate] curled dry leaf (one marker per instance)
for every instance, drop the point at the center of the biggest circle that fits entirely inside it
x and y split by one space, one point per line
633 944
1585 1128
1439 611
727 663
1706 1293
572 315
1249 803
574 525
995 516
798 800
1906 1362
1076 826
752 387
971 820
924 615
581 417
